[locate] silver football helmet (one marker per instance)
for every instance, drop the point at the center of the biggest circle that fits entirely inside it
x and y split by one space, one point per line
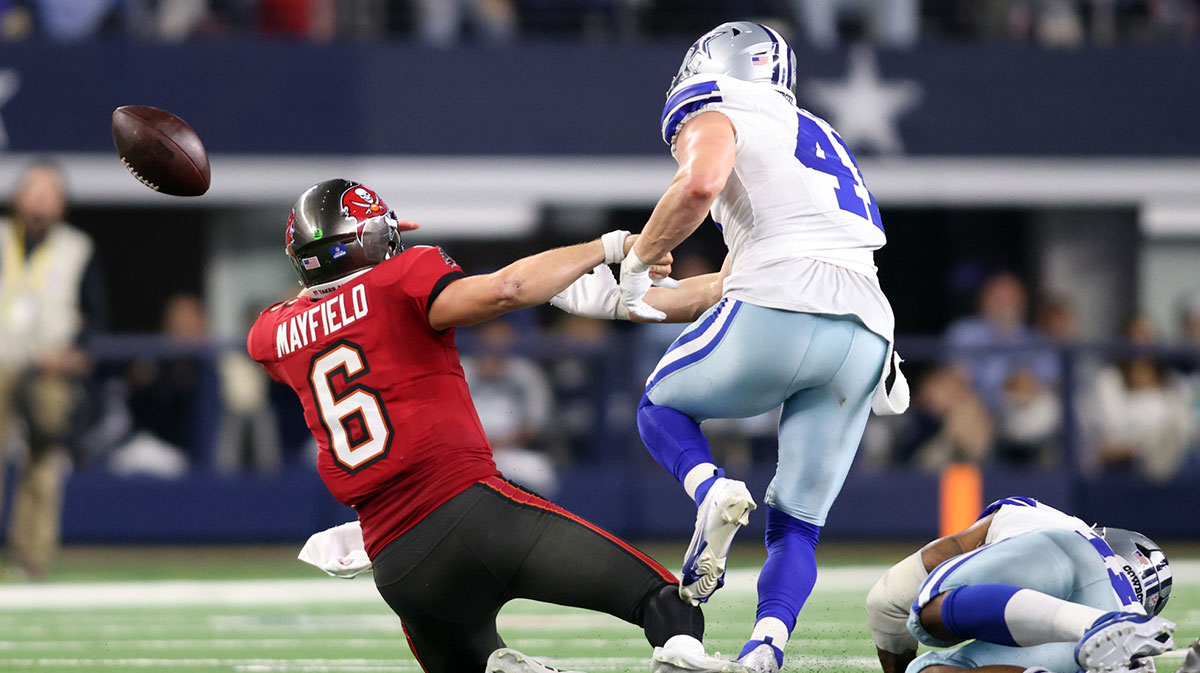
1145 564
743 50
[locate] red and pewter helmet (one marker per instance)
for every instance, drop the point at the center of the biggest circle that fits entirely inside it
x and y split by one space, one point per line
338 227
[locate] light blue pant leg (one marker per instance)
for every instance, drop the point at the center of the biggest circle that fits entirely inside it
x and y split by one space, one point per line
823 420
1059 563
1056 657
741 360
823 369
736 361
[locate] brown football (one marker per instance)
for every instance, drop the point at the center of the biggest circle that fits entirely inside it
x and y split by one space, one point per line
161 150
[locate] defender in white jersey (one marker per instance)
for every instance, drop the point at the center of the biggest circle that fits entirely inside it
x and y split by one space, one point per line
795 318
1034 589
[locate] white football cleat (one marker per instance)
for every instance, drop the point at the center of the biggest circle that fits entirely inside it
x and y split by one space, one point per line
508 660
685 654
1117 638
725 508
763 656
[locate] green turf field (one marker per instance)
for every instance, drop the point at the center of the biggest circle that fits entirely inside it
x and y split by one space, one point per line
116 611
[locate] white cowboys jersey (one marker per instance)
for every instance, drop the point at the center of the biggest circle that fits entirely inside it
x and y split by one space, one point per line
798 220
1018 514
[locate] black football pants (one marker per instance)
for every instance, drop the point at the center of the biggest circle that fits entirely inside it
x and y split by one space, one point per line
448 576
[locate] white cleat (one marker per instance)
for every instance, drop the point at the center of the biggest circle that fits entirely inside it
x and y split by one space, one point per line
725 508
1118 638
507 660
685 654
765 658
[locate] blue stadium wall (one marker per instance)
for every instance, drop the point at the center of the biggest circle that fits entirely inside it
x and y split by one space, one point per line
602 99
640 503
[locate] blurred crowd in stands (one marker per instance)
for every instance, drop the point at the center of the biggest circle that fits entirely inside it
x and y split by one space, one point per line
998 388
819 23
1026 393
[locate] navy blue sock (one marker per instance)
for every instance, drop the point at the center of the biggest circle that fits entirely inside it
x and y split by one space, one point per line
674 440
752 645
976 612
790 572
706 485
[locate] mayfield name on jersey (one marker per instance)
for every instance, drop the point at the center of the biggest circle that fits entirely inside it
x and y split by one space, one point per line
321 320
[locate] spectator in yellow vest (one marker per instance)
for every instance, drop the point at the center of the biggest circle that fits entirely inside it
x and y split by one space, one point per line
50 298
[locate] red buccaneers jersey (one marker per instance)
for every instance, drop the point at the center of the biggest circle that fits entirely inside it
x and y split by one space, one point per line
383 392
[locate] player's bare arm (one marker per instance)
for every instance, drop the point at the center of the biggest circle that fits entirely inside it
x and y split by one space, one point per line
524 283
943 549
889 600
705 150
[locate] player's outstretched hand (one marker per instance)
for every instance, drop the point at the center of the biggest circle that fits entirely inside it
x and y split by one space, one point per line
635 282
594 295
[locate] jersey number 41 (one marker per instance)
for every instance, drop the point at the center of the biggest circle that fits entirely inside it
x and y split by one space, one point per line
820 148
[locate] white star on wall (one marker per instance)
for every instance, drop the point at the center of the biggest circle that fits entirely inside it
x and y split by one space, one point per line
863 108
9 83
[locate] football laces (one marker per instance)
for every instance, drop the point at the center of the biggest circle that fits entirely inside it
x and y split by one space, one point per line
137 175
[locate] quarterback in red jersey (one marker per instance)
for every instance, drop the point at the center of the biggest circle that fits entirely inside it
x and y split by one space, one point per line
368 345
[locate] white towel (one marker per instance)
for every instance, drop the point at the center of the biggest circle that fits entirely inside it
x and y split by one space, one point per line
895 401
338 551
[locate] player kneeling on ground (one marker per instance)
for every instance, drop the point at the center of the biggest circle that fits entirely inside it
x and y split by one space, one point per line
368 346
1034 588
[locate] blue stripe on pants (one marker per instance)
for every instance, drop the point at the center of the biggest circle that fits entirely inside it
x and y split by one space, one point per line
742 360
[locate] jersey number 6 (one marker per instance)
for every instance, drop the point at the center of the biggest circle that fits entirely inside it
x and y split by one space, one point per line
359 431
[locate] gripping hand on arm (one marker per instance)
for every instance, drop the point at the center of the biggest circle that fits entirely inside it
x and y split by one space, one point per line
596 294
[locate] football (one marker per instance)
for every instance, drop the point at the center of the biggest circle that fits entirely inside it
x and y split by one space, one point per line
160 150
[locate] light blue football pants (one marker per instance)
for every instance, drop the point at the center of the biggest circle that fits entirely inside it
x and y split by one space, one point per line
1061 563
740 360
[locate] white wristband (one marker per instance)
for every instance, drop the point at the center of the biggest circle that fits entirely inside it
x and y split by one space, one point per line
634 264
614 246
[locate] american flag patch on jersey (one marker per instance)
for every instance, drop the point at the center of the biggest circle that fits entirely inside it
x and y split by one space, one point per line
760 59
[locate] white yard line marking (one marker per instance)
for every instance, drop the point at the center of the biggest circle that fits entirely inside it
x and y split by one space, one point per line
199 643
323 664
175 593
319 668
326 592
323 591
